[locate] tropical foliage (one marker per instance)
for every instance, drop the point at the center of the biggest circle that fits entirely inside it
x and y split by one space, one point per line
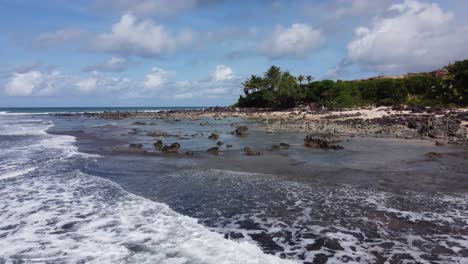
278 89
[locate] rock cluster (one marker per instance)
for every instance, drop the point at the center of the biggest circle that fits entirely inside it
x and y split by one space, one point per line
322 141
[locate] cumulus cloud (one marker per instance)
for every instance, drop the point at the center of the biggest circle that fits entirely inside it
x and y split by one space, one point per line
49 39
298 40
222 73
157 83
114 64
131 36
87 85
412 36
22 84
155 79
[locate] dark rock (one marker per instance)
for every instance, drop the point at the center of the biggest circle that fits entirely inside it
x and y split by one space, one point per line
219 143
170 149
250 152
213 136
228 146
213 151
432 155
322 141
158 144
241 131
235 124
284 145
189 153
438 143
204 124
175 145
136 146
275 147
139 123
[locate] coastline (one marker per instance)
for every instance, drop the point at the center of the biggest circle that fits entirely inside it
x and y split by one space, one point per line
439 125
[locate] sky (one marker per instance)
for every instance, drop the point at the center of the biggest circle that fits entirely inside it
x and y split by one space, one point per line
58 53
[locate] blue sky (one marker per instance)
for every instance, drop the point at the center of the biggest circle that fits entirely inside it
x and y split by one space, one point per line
198 52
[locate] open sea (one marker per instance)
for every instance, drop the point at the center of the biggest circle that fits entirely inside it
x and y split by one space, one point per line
71 191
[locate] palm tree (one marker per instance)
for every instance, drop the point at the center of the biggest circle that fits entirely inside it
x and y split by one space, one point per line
272 77
309 79
253 84
300 78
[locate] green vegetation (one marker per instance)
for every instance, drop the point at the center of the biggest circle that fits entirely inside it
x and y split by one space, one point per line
278 89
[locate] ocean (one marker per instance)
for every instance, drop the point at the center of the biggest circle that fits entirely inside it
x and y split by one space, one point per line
72 192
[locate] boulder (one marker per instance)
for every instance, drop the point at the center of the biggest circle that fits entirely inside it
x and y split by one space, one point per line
228 146
284 145
189 153
158 144
241 131
219 143
175 145
322 141
170 149
213 136
250 152
213 151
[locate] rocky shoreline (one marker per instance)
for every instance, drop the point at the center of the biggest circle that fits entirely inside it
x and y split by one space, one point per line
439 125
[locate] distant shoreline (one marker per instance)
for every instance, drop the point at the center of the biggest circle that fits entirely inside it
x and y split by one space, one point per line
441 125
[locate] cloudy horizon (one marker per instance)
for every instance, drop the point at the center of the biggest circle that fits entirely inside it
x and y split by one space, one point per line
198 52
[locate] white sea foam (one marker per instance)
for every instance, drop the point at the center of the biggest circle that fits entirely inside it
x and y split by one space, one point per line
56 216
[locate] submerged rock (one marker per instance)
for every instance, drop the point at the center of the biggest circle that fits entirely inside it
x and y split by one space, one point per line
139 123
158 144
173 148
241 131
136 146
432 155
250 152
219 143
213 151
214 136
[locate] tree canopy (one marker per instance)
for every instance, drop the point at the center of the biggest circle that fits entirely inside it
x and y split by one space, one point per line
278 89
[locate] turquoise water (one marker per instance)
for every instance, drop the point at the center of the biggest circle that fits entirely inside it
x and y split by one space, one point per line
90 109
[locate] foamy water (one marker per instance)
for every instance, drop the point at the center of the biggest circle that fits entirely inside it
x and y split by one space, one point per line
51 212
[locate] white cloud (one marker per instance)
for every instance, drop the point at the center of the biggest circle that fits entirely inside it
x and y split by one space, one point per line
87 85
23 84
299 40
148 7
114 64
155 79
131 36
222 73
157 83
412 36
48 39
